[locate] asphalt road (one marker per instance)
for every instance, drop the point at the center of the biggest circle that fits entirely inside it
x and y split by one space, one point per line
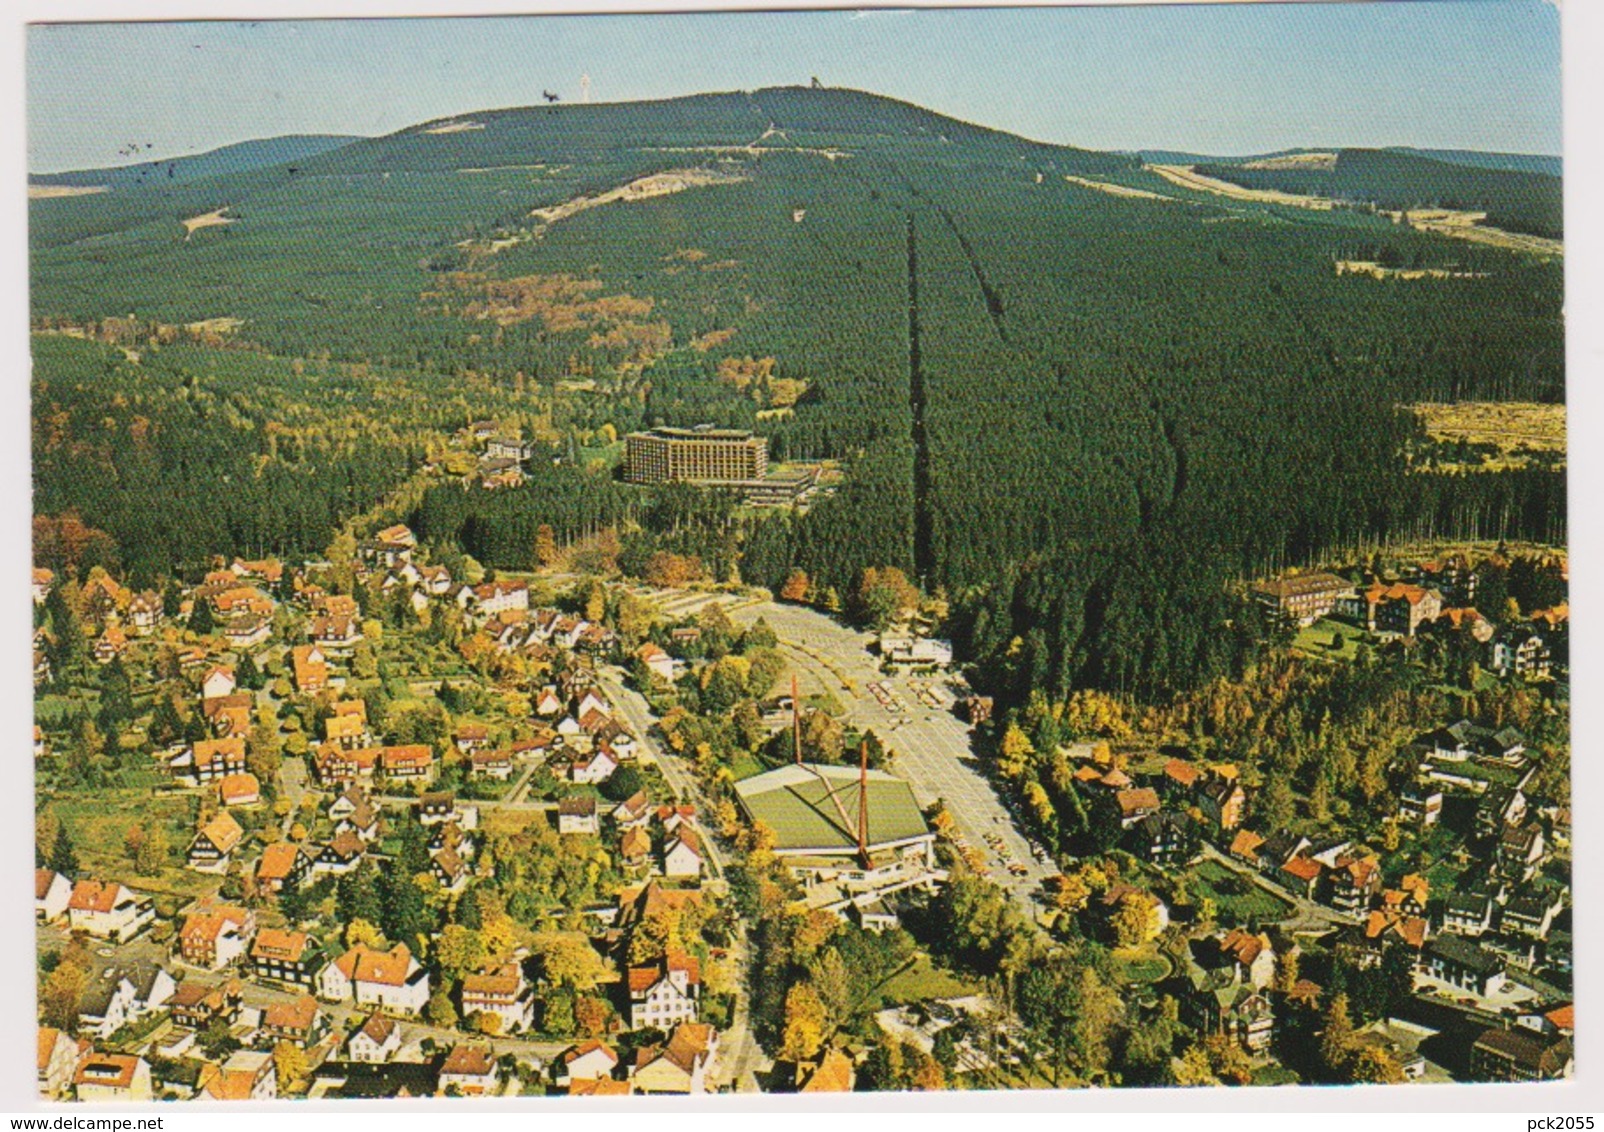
932 750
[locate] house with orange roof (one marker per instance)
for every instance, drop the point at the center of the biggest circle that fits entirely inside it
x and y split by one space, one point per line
211 759
247 1075
1136 804
469 1071
335 766
283 864
595 767
214 935
283 956
391 979
664 992
1245 847
586 1061
59 1055
376 1041
1353 883
503 992
831 1073
413 763
1302 875
43 581
196 1005
335 636
1400 609
1182 774
299 1022
108 910
600 1087
682 1065
310 669
51 894
634 847
214 844
348 729
218 681
495 765
120 1078
110 645
683 853
657 662
239 790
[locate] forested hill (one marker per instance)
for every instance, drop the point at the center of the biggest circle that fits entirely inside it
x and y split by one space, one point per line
1076 399
1527 202
242 157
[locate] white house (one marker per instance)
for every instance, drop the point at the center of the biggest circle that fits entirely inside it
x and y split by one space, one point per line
376 1041
108 910
594 768
391 979
51 892
664 993
657 662
218 682
682 854
504 993
586 1062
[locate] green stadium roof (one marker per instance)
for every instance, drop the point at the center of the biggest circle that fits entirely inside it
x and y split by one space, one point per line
814 808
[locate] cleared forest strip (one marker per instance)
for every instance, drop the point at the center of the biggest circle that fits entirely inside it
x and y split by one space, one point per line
50 192
1507 424
1188 178
1116 190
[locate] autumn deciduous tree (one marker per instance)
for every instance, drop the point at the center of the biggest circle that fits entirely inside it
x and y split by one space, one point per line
796 585
545 545
883 595
803 1032
289 1062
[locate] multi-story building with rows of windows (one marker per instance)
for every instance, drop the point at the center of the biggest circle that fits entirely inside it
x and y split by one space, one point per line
695 455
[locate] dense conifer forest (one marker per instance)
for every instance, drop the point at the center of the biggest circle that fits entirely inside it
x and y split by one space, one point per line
1082 416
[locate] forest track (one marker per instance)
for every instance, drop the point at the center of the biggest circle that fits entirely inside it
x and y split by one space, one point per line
923 550
994 303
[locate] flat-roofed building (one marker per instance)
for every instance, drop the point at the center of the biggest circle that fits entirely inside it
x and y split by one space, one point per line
694 455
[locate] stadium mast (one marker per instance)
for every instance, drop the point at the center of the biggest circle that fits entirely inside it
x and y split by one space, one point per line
863 803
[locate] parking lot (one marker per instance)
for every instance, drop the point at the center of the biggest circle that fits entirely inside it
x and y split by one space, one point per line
915 716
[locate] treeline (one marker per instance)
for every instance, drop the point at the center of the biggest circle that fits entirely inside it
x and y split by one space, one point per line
1528 202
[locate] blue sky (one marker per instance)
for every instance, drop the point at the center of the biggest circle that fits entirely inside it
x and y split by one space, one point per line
1482 74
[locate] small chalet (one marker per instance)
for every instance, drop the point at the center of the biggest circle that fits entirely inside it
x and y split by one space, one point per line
215 843
281 956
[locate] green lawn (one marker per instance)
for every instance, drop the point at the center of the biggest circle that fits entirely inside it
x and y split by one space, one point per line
1332 640
1141 965
922 980
1214 880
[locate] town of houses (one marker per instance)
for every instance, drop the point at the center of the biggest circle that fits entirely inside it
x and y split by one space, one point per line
223 995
